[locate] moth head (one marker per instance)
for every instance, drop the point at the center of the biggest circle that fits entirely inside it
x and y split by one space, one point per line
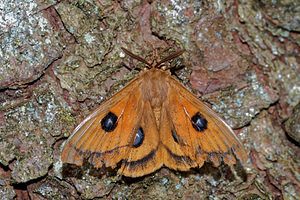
159 64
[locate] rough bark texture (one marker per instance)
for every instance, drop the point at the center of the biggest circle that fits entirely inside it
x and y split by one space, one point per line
60 59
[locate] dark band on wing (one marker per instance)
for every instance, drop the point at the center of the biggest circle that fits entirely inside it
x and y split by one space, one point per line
211 155
180 159
97 154
141 162
220 154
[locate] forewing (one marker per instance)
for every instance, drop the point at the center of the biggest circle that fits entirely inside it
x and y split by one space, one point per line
102 139
132 139
199 133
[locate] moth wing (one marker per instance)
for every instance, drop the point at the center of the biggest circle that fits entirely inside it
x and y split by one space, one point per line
107 148
144 156
177 155
196 133
90 141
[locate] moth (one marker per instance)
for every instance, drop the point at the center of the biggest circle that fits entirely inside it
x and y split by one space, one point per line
154 121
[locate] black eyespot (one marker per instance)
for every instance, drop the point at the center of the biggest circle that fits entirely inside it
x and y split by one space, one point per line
109 122
174 136
139 138
199 122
